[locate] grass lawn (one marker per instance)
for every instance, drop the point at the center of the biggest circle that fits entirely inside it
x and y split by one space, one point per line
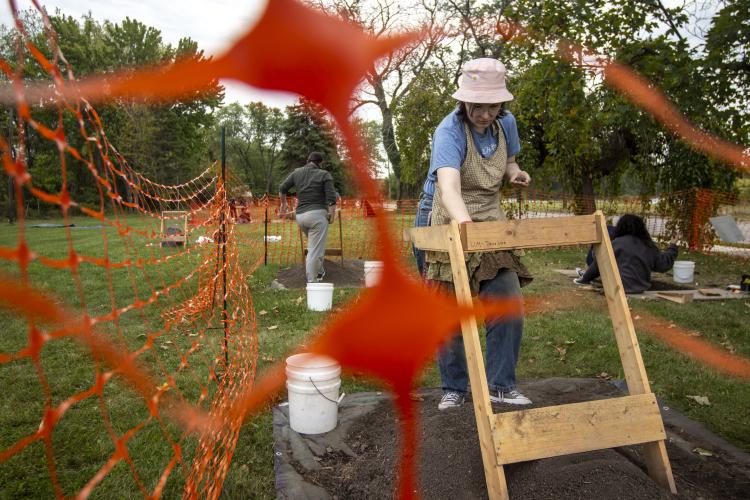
81 441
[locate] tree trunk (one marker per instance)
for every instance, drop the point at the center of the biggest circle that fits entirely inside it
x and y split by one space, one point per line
269 176
11 212
389 135
585 203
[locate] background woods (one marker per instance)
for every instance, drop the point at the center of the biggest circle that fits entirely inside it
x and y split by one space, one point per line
578 135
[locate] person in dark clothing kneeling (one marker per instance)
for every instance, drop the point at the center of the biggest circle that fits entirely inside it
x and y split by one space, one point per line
636 254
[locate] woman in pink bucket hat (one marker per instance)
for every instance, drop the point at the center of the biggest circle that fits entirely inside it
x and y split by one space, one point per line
473 152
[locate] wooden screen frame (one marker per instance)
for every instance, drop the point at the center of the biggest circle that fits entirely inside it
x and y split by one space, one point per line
563 429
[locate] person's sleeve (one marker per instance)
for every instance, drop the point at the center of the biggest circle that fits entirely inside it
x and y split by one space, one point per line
447 150
665 259
593 270
329 190
512 140
287 184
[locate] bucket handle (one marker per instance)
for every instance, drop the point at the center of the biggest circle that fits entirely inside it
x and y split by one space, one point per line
337 401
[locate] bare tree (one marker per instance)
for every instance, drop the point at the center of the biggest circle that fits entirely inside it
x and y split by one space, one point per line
391 78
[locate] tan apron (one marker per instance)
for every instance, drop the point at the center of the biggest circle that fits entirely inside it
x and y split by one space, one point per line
481 180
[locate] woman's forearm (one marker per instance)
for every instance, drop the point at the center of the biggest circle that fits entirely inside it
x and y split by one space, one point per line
455 207
449 180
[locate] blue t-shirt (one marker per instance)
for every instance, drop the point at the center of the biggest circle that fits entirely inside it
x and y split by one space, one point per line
449 145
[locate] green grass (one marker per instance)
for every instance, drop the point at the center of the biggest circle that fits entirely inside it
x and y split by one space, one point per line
81 442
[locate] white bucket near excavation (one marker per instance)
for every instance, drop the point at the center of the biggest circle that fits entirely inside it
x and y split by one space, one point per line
313 382
682 271
373 272
319 296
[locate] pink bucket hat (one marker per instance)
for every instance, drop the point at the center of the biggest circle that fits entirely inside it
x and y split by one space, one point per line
483 82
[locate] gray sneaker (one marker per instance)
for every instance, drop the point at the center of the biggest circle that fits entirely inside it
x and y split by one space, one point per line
451 400
320 275
511 397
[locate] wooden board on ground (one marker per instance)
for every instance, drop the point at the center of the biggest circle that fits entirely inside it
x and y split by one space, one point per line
697 295
676 297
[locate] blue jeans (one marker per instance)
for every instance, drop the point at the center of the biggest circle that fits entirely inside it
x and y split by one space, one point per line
424 207
503 343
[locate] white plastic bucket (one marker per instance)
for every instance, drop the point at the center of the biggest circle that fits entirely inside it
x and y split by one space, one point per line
319 296
312 382
682 272
373 272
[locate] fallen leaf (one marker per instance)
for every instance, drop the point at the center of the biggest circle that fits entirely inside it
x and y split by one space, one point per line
536 337
636 318
570 342
702 452
268 358
273 327
262 313
701 400
298 300
604 375
165 347
561 351
728 346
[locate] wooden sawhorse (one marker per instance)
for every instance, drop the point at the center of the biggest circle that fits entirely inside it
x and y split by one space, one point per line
551 431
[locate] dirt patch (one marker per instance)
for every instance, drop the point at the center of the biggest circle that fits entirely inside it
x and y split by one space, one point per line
347 275
451 464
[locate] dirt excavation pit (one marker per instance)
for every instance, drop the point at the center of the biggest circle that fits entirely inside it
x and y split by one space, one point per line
350 274
359 458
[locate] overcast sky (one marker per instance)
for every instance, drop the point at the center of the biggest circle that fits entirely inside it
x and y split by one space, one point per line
214 24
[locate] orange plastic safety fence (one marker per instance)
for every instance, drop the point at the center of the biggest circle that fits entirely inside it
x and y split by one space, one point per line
156 281
683 214
192 363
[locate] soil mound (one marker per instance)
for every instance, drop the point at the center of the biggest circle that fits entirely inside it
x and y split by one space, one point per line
359 458
350 274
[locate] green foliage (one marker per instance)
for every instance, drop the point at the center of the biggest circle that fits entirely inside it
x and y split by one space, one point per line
577 131
166 142
727 68
581 134
417 116
308 128
253 143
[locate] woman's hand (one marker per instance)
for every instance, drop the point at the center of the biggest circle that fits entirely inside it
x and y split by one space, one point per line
520 179
515 175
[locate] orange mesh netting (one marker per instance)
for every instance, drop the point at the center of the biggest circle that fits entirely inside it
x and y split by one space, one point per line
684 214
190 361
